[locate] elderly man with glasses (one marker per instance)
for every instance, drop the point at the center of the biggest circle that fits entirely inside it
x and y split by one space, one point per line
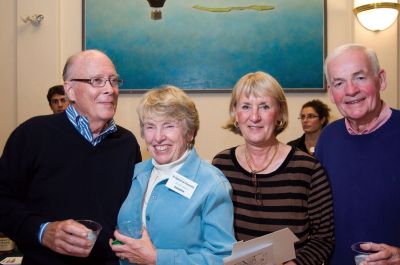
44 190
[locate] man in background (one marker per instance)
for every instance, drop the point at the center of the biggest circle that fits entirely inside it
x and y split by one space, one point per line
44 189
361 154
57 99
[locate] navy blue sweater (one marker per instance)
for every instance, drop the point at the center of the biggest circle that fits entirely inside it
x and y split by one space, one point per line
49 172
364 171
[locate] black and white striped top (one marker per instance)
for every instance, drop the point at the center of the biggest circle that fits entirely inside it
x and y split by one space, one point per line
297 195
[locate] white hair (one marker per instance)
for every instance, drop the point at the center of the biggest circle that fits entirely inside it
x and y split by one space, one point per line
370 53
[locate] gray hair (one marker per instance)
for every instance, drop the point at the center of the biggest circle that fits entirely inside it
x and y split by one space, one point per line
83 55
170 102
370 53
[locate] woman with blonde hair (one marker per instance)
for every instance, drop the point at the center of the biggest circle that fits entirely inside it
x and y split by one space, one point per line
274 185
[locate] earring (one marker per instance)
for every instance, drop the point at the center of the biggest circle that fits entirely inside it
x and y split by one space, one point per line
236 124
280 123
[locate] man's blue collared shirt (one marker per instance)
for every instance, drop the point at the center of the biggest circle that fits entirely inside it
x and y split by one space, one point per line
81 123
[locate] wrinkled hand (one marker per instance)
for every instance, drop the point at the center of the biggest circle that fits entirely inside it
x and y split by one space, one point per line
386 255
68 238
139 251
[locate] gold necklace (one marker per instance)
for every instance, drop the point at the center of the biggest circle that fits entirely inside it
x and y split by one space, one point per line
255 172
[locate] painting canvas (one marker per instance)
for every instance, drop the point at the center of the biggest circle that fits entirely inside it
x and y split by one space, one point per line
208 45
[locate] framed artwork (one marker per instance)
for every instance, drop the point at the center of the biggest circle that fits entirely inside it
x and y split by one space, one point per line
207 45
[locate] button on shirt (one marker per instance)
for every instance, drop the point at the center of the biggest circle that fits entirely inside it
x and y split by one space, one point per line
81 123
160 173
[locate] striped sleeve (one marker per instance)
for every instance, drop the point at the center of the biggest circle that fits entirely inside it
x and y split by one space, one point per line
297 195
320 242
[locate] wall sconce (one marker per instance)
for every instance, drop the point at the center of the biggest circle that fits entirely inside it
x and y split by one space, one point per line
375 15
35 20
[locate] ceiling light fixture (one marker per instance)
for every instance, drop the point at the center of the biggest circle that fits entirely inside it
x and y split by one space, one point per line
376 16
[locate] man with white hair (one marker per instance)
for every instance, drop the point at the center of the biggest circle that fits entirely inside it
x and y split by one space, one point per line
361 154
78 164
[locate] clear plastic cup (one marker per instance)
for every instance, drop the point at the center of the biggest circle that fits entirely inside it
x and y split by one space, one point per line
132 228
95 228
359 253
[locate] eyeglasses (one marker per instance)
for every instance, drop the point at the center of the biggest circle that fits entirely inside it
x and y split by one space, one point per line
308 117
101 81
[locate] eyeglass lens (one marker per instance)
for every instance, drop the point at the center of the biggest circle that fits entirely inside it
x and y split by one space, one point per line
308 117
101 81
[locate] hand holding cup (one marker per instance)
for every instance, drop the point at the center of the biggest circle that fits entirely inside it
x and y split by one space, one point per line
359 253
131 228
94 228
71 237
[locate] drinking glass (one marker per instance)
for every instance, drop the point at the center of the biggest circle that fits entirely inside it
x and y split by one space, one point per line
94 227
359 253
132 228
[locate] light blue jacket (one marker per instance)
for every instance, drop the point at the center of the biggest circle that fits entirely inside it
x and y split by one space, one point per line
185 231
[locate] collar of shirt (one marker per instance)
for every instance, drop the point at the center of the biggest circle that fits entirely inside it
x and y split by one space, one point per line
81 123
384 115
158 174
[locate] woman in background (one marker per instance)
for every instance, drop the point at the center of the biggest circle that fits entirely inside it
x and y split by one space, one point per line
274 185
182 201
314 116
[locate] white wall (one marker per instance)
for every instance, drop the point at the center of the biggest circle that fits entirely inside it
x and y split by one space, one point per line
32 60
8 85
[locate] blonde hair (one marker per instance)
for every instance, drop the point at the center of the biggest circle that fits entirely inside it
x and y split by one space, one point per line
169 102
258 84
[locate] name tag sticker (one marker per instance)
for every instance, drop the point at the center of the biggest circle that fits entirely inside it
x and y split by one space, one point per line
181 185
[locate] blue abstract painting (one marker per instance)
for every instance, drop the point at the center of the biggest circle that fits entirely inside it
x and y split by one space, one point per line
209 44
